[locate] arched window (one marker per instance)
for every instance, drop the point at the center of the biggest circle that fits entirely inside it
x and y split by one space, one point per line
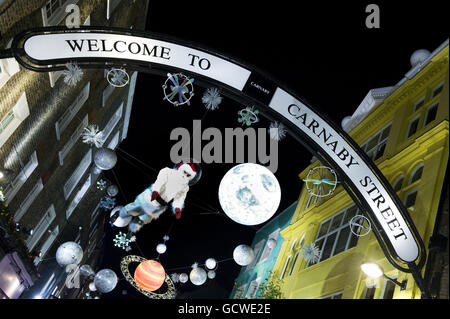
416 174
398 183
285 266
293 263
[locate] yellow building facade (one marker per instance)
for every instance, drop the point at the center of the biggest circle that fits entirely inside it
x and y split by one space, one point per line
406 133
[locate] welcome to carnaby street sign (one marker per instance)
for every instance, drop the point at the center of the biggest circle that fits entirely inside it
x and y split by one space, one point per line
43 49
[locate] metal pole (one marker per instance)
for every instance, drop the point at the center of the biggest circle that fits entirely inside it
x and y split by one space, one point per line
415 271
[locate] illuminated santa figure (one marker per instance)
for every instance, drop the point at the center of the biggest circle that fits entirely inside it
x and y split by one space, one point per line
169 189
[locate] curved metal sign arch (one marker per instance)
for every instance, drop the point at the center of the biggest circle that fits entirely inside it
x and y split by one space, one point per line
47 49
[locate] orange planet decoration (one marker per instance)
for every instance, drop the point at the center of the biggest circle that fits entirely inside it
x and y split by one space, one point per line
149 275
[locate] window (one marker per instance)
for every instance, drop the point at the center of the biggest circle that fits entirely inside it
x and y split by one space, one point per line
253 288
48 243
111 5
376 145
77 174
72 140
309 201
109 127
334 235
431 114
256 249
11 121
91 248
8 67
293 263
410 199
13 188
71 111
416 174
419 104
337 295
388 288
126 121
41 227
54 11
437 90
114 141
285 266
107 93
267 250
412 127
76 200
369 293
28 200
398 184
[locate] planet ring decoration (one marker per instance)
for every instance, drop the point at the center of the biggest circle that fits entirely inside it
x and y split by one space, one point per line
125 263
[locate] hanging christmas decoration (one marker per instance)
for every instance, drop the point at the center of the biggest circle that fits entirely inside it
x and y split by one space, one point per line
211 263
197 275
141 279
321 181
175 277
108 202
248 116
249 194
101 184
105 280
360 225
277 131
161 248
184 278
243 255
92 286
211 99
184 91
87 271
119 217
72 74
105 158
112 190
93 136
117 77
211 274
310 253
69 253
123 241
169 189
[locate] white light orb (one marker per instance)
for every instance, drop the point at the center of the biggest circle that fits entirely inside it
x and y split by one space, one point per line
211 274
198 276
112 190
161 248
123 219
249 194
105 280
87 271
184 278
419 56
105 158
69 253
92 286
211 263
243 255
345 121
372 270
272 243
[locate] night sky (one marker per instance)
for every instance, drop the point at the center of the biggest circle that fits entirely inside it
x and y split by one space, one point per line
322 52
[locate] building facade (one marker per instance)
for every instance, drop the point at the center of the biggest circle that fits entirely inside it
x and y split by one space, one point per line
405 130
52 188
254 275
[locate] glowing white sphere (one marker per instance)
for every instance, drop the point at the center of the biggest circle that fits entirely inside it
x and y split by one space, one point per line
123 220
272 243
211 263
112 190
105 158
249 194
92 286
419 56
198 276
69 253
161 248
345 121
105 280
184 278
86 270
211 274
243 255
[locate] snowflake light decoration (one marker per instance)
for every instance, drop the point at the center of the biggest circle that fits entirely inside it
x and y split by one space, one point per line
194 265
117 77
175 277
101 184
184 91
277 131
122 241
166 238
108 202
311 253
211 98
248 116
72 74
93 136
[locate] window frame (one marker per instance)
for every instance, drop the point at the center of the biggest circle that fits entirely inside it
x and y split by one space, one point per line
435 104
380 142
437 87
421 100
417 117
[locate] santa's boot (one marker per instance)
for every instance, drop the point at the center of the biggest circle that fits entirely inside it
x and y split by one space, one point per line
135 225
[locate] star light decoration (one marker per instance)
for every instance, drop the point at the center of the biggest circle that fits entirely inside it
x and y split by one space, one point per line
211 99
277 131
108 202
175 277
72 74
123 241
117 77
311 253
101 184
93 136
181 86
248 116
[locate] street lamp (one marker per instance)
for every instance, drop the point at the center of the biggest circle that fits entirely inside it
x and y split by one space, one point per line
375 271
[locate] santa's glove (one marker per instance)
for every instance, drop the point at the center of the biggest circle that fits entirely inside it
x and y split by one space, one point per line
177 213
155 195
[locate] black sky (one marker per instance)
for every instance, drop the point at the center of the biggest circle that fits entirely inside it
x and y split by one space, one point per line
321 51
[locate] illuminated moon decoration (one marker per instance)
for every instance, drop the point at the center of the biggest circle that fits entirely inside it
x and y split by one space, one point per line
124 265
105 158
112 190
211 274
149 275
184 278
198 276
69 253
243 255
161 248
249 194
211 263
105 280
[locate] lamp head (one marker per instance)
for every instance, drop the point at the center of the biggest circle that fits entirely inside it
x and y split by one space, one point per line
372 269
